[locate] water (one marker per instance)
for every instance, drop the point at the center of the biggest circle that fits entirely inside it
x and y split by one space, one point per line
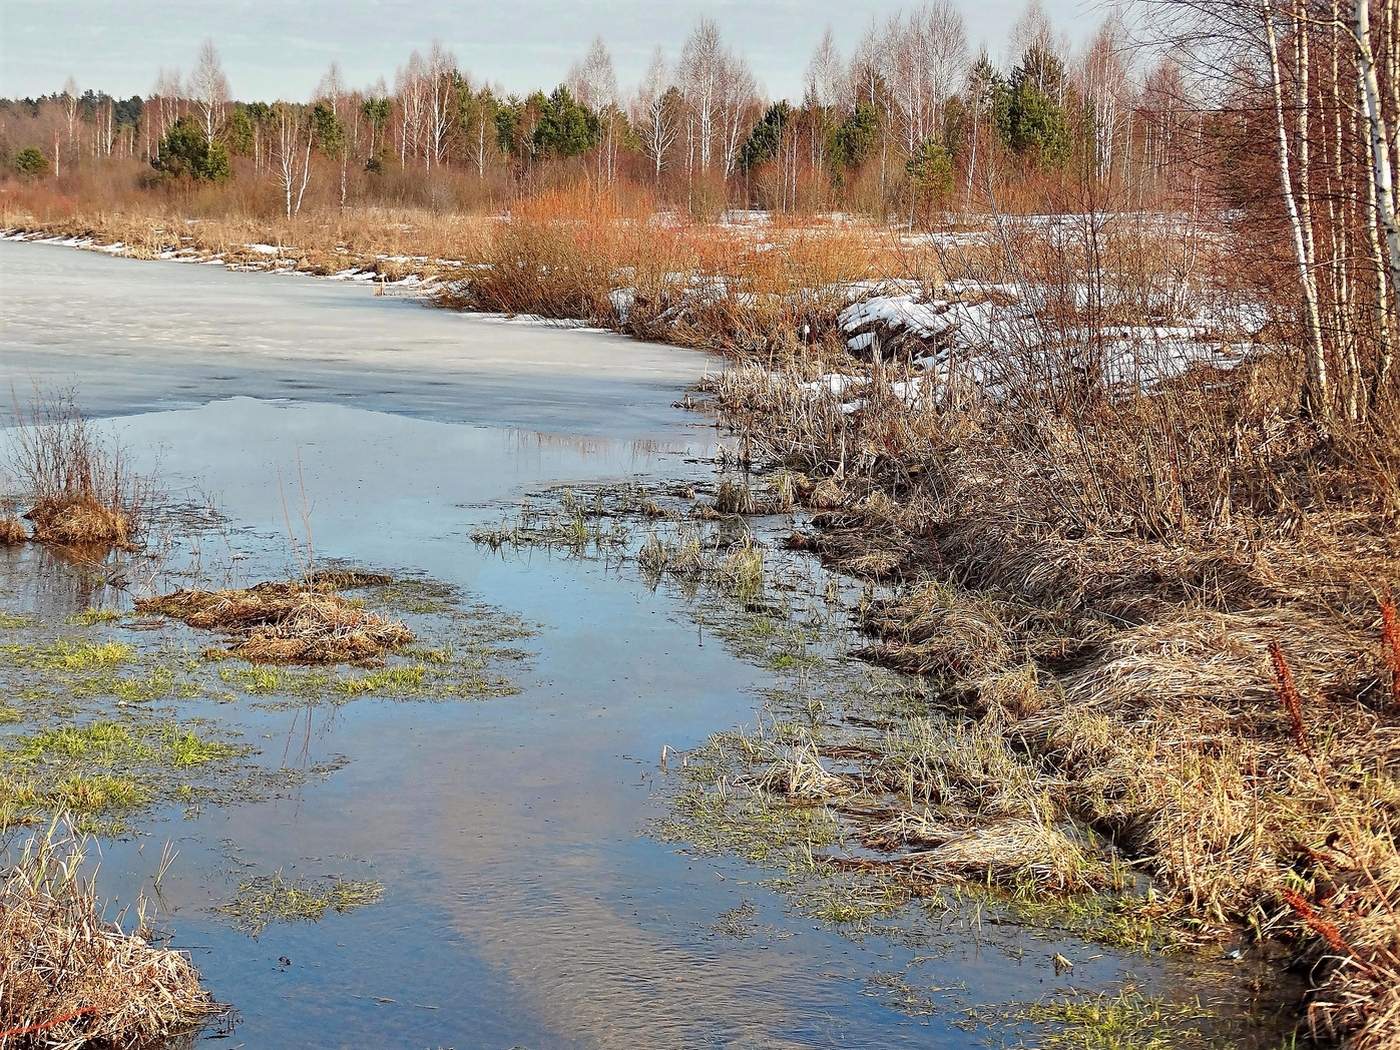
525 902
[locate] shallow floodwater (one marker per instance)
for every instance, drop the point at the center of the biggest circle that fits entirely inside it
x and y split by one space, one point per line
526 903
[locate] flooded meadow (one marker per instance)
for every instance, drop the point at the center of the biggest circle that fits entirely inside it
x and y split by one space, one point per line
528 827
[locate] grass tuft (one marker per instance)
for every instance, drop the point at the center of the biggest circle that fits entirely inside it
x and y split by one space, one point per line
268 899
74 978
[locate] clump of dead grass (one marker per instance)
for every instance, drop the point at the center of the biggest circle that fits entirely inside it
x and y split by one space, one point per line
71 977
303 621
82 490
12 531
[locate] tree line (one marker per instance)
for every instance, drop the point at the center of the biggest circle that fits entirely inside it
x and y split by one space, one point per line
911 122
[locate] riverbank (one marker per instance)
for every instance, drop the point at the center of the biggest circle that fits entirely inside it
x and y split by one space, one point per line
1163 587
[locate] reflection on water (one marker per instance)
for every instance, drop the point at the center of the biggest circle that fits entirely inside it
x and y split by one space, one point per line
524 903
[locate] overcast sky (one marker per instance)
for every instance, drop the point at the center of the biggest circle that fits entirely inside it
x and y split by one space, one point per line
280 48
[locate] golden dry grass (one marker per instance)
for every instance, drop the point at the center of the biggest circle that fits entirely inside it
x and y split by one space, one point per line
302 621
12 531
79 521
69 976
81 492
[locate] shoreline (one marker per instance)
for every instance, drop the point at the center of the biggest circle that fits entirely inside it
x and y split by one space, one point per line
1136 673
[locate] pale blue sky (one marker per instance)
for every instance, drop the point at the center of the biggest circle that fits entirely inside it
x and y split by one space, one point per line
279 48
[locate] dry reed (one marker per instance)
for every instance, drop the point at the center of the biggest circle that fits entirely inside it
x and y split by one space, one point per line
69 976
82 492
12 531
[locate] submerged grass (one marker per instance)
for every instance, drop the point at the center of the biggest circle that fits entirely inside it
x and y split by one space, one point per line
101 772
1128 1020
266 900
71 656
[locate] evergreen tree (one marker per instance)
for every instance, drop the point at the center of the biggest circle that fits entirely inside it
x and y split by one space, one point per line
766 137
31 162
238 131
185 153
1029 116
566 127
854 139
327 129
930 169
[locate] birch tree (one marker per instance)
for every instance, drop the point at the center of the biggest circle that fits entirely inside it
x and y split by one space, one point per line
1318 381
594 83
291 153
655 114
410 94
441 76
1382 144
209 87
331 91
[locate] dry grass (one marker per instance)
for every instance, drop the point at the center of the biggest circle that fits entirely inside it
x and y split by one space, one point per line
12 531
81 490
69 976
1099 574
303 621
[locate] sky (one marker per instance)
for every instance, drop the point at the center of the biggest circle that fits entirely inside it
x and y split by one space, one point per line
280 48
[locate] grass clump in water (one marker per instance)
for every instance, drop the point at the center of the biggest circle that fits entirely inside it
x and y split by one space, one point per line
268 899
70 656
99 772
1126 1021
75 976
300 621
12 531
572 526
393 680
83 494
93 617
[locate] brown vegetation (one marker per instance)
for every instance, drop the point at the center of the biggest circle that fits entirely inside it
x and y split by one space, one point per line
81 492
1103 583
71 977
302 621
12 531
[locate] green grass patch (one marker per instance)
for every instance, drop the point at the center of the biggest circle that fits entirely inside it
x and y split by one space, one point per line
93 617
99 769
268 899
1126 1021
71 656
